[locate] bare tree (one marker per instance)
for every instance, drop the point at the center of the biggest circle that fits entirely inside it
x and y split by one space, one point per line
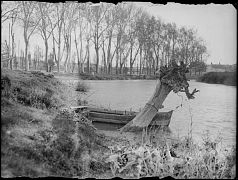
123 12
37 54
12 46
82 24
87 31
97 16
157 43
124 53
185 42
45 27
133 36
110 20
29 23
53 24
141 34
69 20
57 19
8 10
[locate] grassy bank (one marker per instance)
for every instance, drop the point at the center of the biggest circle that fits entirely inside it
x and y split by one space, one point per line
227 78
39 137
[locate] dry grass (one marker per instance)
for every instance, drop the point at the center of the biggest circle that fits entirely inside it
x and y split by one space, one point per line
28 105
178 158
33 89
41 141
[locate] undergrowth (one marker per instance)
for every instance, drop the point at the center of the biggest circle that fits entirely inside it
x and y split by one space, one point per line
176 158
33 89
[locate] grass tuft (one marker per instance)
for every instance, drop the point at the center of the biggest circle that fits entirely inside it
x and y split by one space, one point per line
82 87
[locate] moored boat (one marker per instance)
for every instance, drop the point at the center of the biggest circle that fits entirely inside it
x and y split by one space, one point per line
107 116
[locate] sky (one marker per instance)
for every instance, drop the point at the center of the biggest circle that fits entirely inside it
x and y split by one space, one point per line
215 24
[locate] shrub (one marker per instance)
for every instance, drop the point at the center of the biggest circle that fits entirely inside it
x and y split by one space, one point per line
32 89
81 87
227 78
5 86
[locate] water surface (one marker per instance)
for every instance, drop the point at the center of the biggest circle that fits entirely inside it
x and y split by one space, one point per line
213 109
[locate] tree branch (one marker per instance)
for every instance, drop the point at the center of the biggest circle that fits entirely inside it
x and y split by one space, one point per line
188 94
33 29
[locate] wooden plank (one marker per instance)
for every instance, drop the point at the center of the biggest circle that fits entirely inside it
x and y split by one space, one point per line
113 121
111 111
111 116
109 121
78 107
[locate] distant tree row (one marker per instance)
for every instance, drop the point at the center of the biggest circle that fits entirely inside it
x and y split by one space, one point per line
121 36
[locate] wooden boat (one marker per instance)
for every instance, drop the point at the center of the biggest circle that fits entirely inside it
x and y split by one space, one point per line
107 116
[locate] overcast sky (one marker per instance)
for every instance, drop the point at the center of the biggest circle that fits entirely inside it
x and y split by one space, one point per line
216 24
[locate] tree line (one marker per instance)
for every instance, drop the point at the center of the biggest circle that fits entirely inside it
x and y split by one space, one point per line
121 36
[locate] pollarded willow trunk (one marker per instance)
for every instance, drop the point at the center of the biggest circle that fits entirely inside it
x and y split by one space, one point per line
170 78
151 108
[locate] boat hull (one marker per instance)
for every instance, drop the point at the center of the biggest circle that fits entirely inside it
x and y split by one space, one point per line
120 118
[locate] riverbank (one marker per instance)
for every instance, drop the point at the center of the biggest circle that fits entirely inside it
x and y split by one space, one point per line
39 139
226 78
85 76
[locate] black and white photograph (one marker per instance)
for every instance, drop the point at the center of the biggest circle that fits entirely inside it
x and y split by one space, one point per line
124 90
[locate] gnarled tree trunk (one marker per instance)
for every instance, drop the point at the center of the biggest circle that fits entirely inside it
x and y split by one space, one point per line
151 108
170 78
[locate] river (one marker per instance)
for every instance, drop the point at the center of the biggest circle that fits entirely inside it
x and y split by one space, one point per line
213 110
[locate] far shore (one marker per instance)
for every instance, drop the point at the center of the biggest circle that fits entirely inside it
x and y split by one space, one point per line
226 78
87 76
